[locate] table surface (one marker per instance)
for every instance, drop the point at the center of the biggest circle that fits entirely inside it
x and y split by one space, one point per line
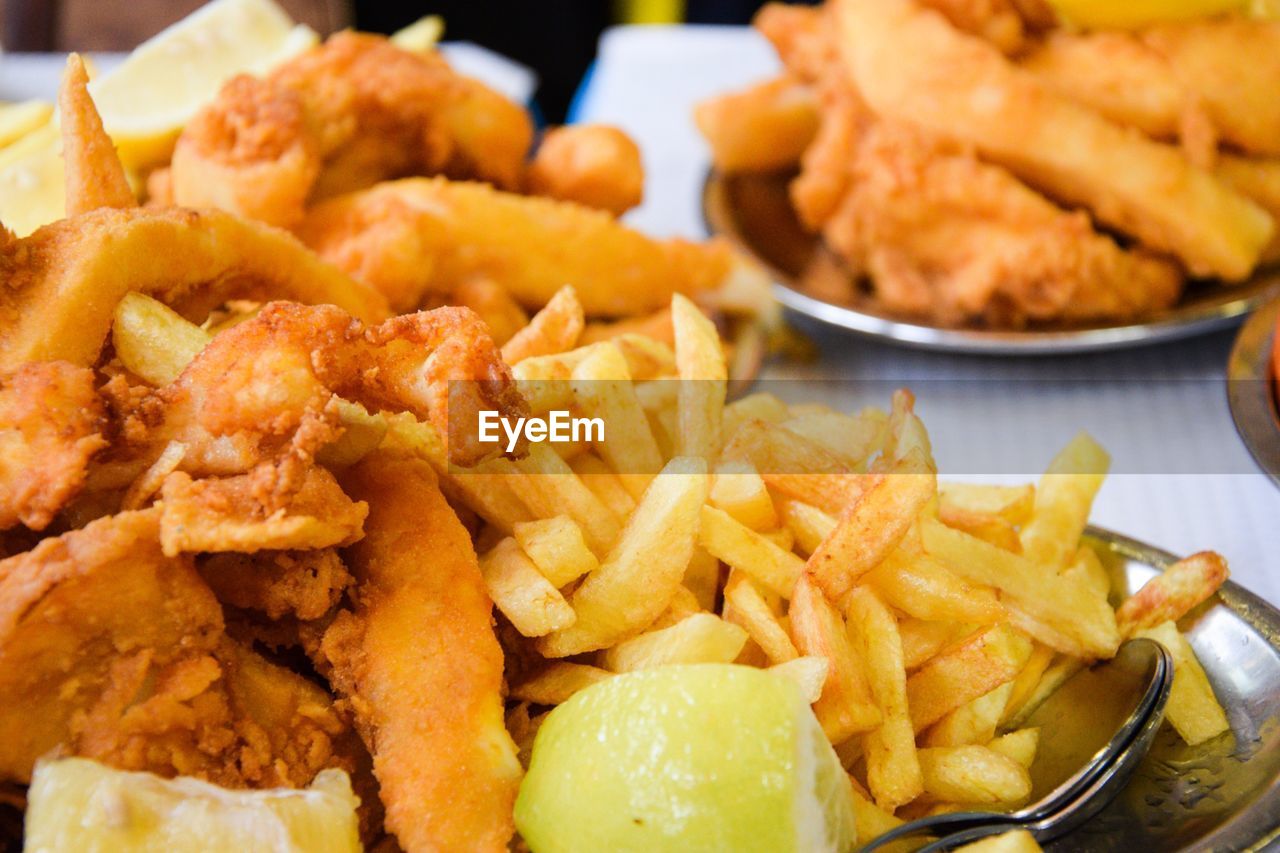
1181 478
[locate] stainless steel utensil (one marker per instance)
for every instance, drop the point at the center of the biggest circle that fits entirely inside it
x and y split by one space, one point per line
1251 391
1082 768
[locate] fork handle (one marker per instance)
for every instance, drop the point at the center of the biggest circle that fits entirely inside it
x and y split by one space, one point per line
959 839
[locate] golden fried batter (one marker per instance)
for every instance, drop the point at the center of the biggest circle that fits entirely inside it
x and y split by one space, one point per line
303 584
593 164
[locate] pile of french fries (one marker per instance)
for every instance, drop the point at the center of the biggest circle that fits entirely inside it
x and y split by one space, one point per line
924 621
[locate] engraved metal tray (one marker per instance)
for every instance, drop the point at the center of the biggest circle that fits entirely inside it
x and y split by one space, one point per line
1252 394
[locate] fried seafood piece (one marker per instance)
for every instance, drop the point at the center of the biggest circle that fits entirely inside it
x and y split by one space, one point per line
113 651
51 424
418 658
944 235
911 65
419 237
593 164
355 111
1259 179
265 388
763 128
94 176
801 35
304 584
64 280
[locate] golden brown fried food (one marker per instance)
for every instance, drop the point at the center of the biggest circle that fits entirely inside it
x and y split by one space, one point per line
945 235
94 176
417 237
344 116
419 660
765 127
51 423
593 164
802 37
909 64
1259 179
302 584
63 281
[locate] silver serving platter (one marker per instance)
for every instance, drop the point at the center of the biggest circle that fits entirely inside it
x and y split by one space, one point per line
1251 390
753 211
1223 795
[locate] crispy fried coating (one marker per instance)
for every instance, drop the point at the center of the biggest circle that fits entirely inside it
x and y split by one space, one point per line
62 282
302 584
911 65
355 111
418 658
94 176
421 236
51 423
243 514
801 35
765 127
593 164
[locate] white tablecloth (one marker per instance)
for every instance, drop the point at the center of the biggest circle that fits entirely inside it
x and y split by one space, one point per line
1182 481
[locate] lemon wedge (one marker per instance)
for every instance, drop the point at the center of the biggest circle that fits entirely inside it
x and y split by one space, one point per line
78 804
421 36
148 98
692 757
1132 14
18 120
31 181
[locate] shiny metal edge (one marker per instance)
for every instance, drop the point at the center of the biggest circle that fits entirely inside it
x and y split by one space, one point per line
1256 828
1249 389
1191 320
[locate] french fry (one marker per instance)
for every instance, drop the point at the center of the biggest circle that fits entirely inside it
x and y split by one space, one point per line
973 774
601 384
809 673
699 638
744 549
1055 675
604 484
682 605
1012 503
973 722
500 312
760 406
1171 594
1028 680
655 326
872 526
796 467
845 707
1193 710
548 487
637 580
702 578
893 772
1020 746
922 640
557 548
782 537
534 606
964 672
989 528
558 681
486 490
152 340
1060 612
748 608
808 524
556 328
1063 500
703 379
853 438
362 432
873 821
1014 841
739 490
1088 569
921 587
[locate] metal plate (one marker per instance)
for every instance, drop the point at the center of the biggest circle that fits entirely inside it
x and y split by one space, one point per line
755 213
1223 795
1252 392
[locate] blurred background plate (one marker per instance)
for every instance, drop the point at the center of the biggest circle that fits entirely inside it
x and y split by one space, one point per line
755 213
1252 391
1223 795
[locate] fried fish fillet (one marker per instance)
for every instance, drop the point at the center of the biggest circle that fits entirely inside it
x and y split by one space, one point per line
94 176
51 423
355 111
303 584
422 236
911 65
593 164
418 658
